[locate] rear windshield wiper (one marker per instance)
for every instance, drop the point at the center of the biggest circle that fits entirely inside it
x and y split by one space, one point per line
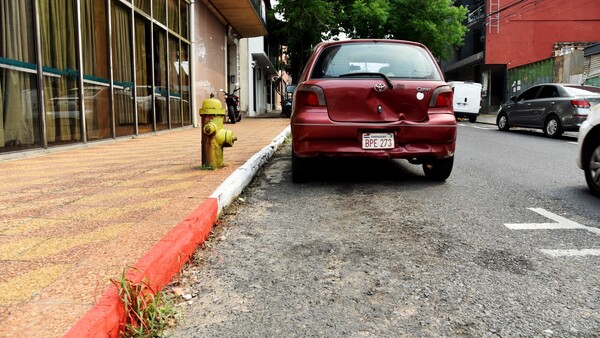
387 79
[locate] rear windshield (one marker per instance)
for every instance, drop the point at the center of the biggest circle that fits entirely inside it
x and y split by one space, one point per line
395 60
581 91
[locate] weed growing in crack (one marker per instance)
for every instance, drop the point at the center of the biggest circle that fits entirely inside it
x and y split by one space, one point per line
148 313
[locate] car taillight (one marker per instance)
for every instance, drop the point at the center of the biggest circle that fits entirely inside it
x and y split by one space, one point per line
442 97
310 96
580 103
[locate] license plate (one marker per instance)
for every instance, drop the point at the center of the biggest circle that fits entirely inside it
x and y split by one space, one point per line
378 141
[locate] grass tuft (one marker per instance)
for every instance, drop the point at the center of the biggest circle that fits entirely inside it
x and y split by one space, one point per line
148 313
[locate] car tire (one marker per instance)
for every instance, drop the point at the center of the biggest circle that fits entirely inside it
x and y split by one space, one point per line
502 122
438 170
552 127
473 118
299 169
591 165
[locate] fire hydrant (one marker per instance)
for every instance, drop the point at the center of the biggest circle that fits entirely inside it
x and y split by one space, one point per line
214 137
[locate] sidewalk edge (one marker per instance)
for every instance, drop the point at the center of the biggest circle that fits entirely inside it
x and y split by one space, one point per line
239 179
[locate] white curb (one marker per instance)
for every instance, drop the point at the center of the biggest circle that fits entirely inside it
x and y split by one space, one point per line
236 182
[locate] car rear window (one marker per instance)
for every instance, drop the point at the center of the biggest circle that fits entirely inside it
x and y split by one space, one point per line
395 60
575 91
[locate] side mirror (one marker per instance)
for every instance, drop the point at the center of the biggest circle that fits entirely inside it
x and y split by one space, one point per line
513 98
290 88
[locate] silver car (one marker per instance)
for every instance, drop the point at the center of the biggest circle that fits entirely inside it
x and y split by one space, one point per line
552 107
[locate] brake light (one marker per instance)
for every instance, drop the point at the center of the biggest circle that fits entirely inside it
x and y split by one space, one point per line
442 97
580 103
310 96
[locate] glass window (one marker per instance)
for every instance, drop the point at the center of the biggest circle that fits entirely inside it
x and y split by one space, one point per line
184 20
143 5
548 92
97 107
174 15
143 75
582 91
95 69
185 84
60 69
122 70
160 78
19 114
159 11
529 94
393 59
174 83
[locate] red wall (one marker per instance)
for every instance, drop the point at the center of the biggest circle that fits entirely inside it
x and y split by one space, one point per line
528 29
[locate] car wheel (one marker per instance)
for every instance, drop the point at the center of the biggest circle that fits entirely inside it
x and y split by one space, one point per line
473 118
299 169
552 127
502 122
591 166
438 170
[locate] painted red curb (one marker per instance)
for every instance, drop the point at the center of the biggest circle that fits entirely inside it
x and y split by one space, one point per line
158 265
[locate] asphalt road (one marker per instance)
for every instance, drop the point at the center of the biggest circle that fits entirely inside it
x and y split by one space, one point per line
506 247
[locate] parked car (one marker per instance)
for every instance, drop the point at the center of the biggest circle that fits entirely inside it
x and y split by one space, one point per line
552 107
588 155
467 99
376 99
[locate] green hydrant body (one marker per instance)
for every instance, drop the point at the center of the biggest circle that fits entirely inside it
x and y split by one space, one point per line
214 137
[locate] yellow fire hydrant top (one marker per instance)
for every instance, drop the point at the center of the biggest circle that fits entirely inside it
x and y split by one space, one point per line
212 107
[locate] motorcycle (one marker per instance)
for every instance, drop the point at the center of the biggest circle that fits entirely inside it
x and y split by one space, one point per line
233 105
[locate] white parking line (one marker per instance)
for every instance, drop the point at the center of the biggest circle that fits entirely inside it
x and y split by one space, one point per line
572 253
476 127
561 223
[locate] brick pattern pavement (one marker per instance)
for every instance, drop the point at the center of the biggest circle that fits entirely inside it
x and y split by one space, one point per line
73 219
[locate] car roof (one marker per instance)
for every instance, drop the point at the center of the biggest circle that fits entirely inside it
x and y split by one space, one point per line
351 41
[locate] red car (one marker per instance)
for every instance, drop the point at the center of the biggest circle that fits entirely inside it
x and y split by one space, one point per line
377 99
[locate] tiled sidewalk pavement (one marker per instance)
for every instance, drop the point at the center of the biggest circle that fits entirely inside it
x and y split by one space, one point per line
70 220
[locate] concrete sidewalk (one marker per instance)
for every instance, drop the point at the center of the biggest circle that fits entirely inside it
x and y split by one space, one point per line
72 219
487 118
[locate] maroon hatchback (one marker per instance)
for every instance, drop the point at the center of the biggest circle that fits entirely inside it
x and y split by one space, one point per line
377 99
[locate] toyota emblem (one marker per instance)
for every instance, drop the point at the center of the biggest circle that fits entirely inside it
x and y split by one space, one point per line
379 87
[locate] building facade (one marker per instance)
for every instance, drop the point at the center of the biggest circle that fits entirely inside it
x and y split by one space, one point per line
506 34
74 71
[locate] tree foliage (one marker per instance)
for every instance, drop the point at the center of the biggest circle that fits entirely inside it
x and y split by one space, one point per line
438 24
304 24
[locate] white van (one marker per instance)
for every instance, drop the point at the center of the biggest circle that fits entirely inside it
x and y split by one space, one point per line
467 99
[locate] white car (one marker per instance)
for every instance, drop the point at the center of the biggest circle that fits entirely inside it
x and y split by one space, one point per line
588 155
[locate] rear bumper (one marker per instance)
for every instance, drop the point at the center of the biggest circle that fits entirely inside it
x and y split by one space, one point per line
320 137
572 123
465 114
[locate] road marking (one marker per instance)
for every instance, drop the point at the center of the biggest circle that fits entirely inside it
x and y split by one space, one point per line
562 223
476 127
572 253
